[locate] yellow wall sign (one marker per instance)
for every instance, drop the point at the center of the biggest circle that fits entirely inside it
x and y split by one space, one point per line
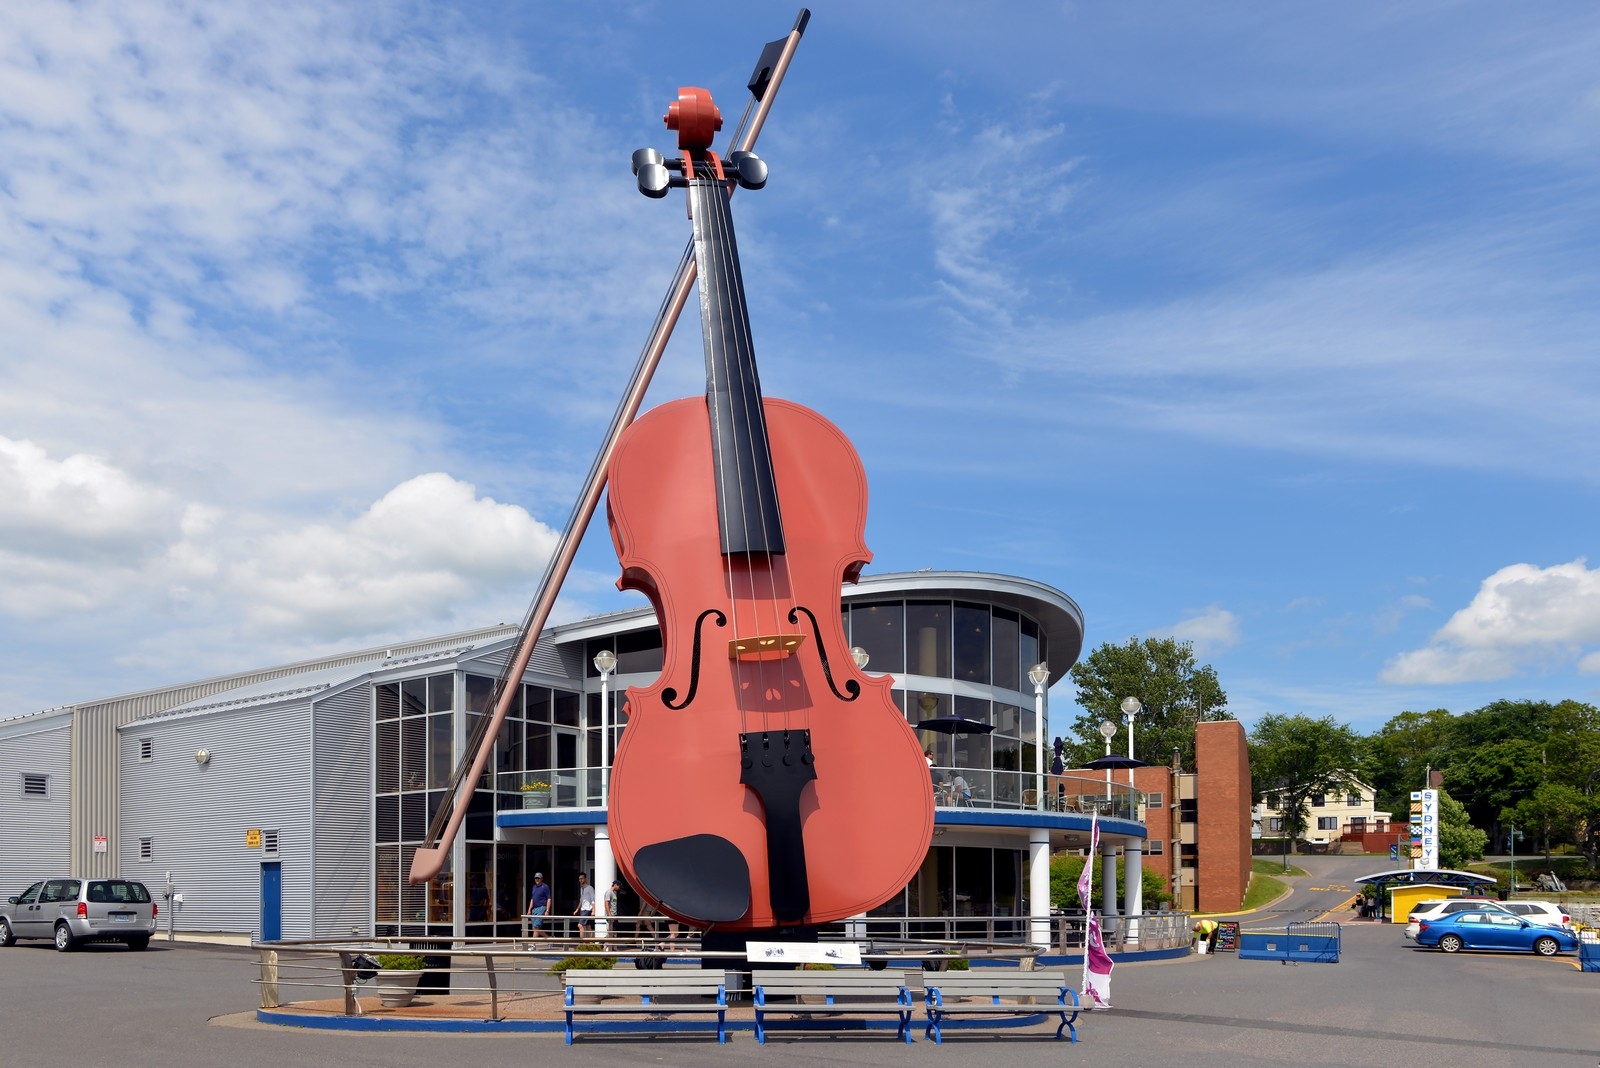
252 838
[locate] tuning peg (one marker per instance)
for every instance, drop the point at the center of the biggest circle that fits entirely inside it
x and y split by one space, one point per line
749 168
649 167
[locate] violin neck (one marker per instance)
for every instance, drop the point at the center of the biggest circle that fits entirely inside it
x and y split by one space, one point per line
747 496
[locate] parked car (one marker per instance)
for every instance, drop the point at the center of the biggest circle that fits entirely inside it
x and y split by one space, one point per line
1497 929
1427 910
1545 912
72 911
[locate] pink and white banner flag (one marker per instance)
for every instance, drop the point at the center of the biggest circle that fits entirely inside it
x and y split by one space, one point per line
1097 963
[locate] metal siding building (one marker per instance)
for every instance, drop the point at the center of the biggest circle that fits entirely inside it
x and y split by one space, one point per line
35 826
341 817
190 818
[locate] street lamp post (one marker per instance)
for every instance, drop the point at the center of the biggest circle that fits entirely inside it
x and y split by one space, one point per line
605 864
1130 709
1108 731
605 662
1039 674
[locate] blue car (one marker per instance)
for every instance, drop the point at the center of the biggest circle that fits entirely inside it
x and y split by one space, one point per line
1493 930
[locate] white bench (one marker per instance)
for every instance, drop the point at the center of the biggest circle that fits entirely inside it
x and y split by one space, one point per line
992 993
831 994
625 992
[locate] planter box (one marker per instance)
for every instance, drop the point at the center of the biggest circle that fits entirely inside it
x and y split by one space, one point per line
536 799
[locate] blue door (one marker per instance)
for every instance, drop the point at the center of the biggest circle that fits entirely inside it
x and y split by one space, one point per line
271 901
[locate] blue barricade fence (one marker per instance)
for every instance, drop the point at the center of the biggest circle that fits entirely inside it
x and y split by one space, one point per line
1302 943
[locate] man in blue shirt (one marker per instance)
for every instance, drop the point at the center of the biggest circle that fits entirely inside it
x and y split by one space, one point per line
538 905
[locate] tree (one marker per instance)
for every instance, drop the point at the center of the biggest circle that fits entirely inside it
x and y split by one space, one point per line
1396 758
1176 694
1295 757
1065 868
1459 840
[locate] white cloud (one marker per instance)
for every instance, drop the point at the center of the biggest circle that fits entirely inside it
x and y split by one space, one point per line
420 555
1213 630
1522 615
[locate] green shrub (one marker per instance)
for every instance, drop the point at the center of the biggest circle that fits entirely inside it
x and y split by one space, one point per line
818 966
959 964
402 962
583 963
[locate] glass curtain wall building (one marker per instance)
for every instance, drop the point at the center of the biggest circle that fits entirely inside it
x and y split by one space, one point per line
957 644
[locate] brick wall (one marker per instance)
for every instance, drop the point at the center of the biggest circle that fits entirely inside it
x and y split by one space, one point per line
1222 773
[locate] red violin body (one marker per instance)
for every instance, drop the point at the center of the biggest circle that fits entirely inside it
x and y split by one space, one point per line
868 817
763 780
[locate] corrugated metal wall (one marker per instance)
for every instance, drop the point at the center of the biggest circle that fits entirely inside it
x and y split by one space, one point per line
342 798
35 831
95 765
196 815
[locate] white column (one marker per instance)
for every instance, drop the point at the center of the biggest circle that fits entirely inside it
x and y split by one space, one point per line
605 870
1133 885
1039 885
1108 884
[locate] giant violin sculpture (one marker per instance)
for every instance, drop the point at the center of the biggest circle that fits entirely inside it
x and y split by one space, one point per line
763 780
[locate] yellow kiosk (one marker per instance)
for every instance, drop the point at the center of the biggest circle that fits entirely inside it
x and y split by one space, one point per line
1402 899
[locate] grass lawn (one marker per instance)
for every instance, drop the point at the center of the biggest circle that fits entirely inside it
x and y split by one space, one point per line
1273 866
1263 888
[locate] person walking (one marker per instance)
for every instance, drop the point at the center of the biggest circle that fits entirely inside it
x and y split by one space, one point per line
613 903
585 909
538 905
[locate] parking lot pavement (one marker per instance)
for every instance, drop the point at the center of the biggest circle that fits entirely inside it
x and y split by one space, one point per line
1385 1004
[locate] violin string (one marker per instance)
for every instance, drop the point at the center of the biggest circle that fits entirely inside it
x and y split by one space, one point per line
770 673
739 454
715 384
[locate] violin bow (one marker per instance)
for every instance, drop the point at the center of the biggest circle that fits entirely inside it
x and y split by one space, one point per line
430 857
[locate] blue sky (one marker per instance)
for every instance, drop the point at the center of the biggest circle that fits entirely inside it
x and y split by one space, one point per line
1269 328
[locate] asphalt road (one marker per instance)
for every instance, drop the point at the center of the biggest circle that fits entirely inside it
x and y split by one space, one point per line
1385 1004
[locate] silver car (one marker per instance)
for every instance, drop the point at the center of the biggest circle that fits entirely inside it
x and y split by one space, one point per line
70 911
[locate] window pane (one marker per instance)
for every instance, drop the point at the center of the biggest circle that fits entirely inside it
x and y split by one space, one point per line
413 753
972 643
388 884
1005 634
880 630
440 751
537 704
538 742
388 815
389 755
480 690
388 700
413 697
928 638
441 693
567 709
1028 646
638 652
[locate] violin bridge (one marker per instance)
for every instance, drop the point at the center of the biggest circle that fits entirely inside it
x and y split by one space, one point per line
765 647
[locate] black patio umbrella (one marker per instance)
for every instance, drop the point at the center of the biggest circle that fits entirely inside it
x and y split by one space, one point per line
954 725
1115 761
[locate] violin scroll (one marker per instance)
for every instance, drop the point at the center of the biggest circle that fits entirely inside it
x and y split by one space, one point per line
697 120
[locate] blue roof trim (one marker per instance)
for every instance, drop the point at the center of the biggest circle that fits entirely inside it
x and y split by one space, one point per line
552 817
1055 821
947 817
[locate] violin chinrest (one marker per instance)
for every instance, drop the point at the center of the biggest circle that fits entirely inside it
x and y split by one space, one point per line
702 878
